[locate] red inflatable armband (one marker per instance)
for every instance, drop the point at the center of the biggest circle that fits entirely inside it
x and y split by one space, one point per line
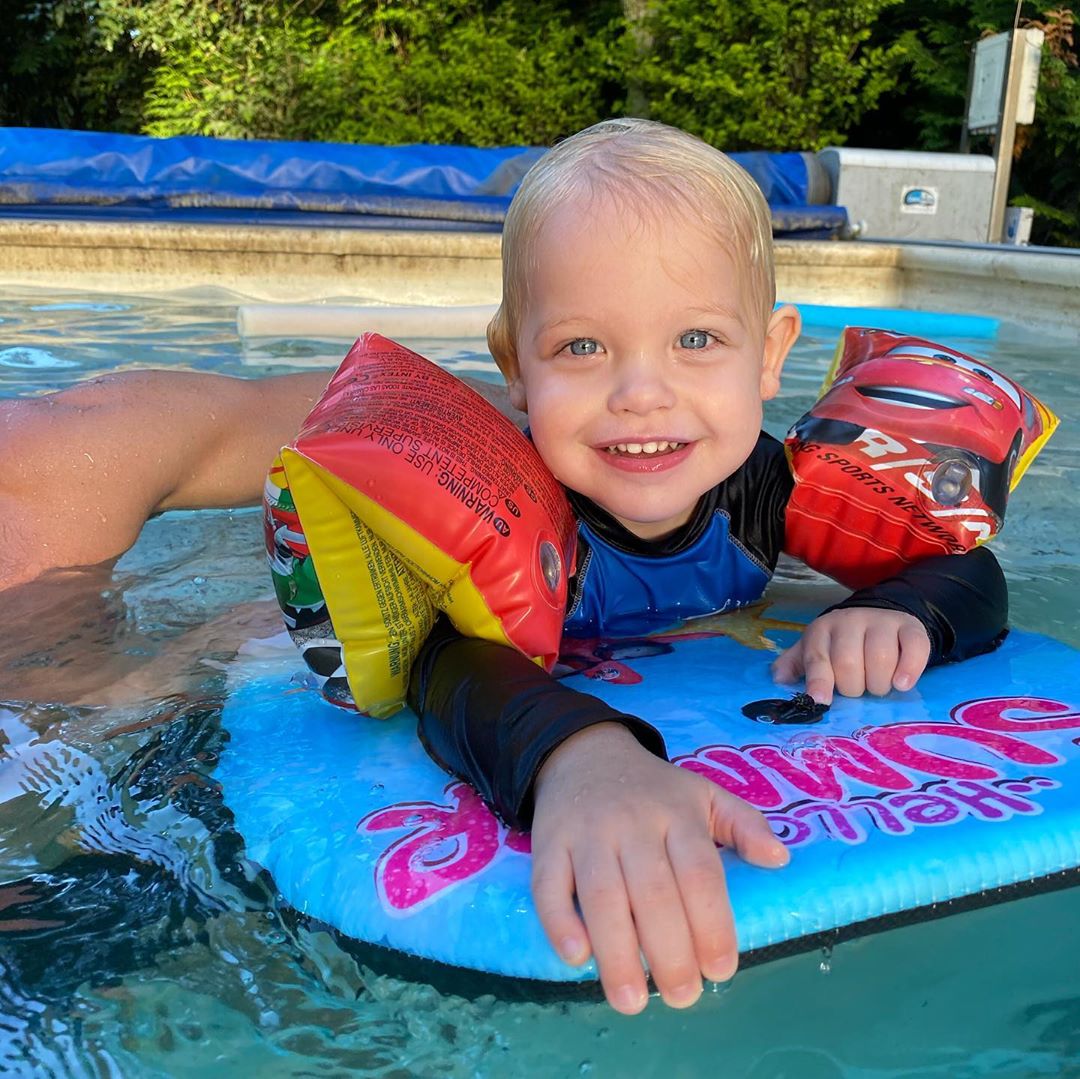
414 493
911 451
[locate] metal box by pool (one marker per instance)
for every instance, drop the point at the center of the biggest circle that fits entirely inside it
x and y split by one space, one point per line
907 195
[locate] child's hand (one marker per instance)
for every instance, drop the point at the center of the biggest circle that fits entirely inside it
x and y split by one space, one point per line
856 650
634 837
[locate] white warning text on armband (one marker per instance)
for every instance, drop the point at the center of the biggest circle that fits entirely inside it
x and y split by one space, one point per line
474 494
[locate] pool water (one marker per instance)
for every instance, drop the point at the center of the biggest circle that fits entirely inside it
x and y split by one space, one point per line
136 939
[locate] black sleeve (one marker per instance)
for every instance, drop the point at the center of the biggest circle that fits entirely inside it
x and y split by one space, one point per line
962 600
492 716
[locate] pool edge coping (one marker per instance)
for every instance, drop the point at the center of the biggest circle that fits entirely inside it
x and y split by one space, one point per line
276 263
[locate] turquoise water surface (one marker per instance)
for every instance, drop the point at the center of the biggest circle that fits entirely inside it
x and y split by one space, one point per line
137 940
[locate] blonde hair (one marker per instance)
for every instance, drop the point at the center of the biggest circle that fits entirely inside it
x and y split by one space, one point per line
648 165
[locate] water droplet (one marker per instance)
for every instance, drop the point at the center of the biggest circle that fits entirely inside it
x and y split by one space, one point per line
198 580
585 1067
825 966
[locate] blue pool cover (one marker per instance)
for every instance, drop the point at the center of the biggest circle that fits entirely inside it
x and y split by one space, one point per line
52 173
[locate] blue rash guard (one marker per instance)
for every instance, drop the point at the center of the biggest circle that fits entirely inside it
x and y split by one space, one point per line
618 593
491 716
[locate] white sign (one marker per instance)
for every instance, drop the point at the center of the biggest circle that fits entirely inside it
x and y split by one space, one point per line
991 66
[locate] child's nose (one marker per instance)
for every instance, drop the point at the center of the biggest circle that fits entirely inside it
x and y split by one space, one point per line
641 385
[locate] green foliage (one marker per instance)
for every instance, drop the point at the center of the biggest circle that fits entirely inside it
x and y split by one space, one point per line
62 65
926 108
1045 175
228 68
462 72
387 71
764 74
744 74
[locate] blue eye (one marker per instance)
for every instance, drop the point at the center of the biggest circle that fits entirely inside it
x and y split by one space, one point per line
694 339
584 346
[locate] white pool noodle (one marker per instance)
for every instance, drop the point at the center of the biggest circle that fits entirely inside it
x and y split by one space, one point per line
349 321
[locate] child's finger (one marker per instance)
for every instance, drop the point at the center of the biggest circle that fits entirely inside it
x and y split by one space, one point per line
846 656
818 669
663 931
797 662
881 658
553 896
738 825
788 667
602 895
914 655
700 876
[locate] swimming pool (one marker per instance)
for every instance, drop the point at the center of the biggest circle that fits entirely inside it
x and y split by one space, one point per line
137 941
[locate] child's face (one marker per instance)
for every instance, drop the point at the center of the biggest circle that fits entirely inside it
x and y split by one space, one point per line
642 361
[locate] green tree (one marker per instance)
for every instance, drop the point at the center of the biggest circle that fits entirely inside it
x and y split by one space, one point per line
65 65
465 72
387 71
765 74
1045 175
229 68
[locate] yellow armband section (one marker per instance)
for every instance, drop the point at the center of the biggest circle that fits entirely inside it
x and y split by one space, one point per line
415 496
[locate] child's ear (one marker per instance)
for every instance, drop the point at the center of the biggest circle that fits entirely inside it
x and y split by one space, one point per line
781 332
516 388
511 373
503 348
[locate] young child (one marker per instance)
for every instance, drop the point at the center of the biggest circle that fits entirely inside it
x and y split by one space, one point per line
637 330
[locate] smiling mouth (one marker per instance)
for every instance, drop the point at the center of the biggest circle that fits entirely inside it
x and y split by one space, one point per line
644 449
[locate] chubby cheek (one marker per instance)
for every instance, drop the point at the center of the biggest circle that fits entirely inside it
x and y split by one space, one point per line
741 409
554 449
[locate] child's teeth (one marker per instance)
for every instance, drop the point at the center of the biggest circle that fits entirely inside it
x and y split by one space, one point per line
644 447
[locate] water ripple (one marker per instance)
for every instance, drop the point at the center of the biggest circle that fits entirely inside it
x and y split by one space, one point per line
33 359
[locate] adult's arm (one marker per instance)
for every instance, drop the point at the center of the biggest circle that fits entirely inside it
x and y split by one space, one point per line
85 467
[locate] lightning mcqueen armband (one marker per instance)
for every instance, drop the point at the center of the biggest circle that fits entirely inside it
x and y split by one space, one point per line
911 451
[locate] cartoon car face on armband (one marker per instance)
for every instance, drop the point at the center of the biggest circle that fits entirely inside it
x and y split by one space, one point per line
954 421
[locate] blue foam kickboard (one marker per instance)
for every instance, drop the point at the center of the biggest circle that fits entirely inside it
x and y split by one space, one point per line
968 784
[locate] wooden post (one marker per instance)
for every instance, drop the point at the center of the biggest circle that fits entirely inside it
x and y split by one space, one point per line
1005 139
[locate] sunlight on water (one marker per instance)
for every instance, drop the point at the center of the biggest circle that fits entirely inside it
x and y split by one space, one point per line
137 940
